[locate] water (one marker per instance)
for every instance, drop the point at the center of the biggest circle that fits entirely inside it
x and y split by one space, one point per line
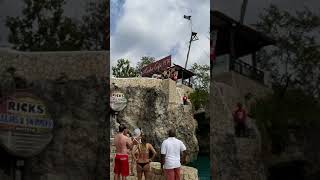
203 165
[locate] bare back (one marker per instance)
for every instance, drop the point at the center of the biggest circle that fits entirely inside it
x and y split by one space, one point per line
121 141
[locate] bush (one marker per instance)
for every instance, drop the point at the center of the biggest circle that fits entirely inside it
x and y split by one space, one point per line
276 115
199 98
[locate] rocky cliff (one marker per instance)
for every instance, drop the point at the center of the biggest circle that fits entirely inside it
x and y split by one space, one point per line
234 158
155 106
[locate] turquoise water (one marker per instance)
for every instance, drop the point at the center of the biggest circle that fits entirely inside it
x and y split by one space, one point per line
203 165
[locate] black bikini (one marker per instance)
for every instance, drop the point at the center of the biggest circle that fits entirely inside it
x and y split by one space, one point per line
142 164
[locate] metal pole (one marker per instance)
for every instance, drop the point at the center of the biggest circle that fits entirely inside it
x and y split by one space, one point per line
188 51
243 10
189 45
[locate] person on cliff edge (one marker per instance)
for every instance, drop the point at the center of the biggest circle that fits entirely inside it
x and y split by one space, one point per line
123 144
172 156
239 117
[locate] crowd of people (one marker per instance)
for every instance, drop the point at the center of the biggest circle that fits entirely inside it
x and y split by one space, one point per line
143 153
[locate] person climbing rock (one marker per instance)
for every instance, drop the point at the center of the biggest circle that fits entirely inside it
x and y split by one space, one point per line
171 160
123 144
137 139
239 117
142 157
185 100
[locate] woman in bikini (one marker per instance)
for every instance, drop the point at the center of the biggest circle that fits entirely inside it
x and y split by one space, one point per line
137 139
143 159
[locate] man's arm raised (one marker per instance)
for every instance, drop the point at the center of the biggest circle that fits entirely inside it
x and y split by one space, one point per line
129 144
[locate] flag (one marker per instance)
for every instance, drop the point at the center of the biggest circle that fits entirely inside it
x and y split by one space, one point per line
187 17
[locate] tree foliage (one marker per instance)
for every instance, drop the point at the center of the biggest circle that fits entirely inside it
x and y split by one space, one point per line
93 26
199 98
276 115
123 69
294 61
42 26
202 76
144 61
200 83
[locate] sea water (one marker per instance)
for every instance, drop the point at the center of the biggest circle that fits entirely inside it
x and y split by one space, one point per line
202 163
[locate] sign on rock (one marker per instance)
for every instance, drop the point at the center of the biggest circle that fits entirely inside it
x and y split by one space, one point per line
118 101
25 125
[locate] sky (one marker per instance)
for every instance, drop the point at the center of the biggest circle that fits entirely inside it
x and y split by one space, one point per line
157 28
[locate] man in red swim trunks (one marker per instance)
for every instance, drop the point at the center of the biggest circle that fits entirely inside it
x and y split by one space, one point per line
123 144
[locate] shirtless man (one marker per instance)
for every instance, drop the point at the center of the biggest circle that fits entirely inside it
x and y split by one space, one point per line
123 144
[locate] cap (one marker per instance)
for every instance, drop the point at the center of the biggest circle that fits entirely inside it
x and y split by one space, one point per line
136 133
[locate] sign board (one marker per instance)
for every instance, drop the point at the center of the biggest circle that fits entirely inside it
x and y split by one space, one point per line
25 125
157 67
118 101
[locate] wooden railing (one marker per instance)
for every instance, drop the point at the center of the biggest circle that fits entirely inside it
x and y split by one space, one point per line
247 70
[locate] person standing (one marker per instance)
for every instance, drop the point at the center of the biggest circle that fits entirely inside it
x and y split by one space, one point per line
123 144
239 117
172 156
142 157
137 140
185 100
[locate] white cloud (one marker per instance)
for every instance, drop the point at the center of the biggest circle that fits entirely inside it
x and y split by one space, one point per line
155 27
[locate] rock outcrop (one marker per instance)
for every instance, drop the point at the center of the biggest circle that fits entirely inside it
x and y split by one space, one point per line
233 158
155 106
187 173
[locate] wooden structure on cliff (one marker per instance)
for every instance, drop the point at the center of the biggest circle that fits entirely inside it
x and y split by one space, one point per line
238 40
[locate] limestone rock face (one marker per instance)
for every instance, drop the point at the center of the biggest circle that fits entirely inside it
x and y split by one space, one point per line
155 106
79 148
187 173
233 158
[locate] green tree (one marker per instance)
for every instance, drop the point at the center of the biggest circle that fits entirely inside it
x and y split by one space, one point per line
200 82
42 26
144 61
94 25
276 116
199 98
202 76
294 61
123 69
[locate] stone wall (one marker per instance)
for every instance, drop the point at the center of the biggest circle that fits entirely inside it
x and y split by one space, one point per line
187 173
79 148
50 65
234 158
247 90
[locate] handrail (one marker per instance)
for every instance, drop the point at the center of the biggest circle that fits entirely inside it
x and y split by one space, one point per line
247 70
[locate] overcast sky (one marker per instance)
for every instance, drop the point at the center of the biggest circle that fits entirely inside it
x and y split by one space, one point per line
157 28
